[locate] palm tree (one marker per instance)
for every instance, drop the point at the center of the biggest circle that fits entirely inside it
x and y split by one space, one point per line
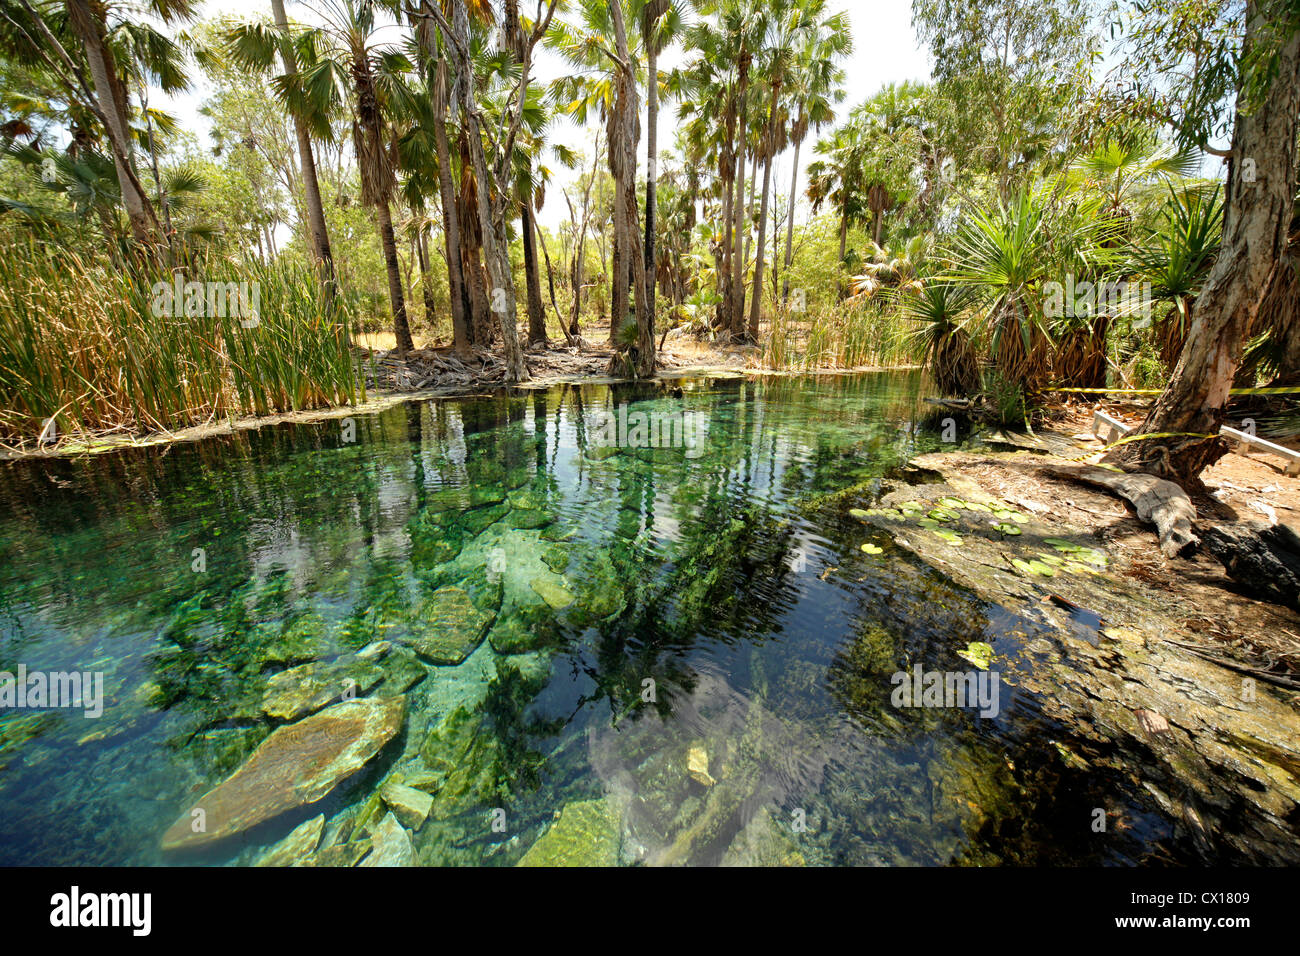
661 21
307 161
345 60
815 84
795 26
837 179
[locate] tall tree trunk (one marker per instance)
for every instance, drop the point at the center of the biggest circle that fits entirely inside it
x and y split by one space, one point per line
492 220
737 307
401 328
756 303
789 226
320 240
111 100
623 152
1257 217
651 155
426 279
460 329
532 276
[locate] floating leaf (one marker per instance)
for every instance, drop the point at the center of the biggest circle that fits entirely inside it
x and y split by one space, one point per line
1006 528
928 523
942 514
952 537
978 653
872 549
1039 567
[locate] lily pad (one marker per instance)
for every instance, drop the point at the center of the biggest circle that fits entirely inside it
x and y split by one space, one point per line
873 549
1006 527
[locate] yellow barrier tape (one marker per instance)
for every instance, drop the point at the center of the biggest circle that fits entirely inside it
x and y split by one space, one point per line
1160 391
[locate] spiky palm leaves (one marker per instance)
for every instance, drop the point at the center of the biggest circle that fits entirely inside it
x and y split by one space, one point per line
1003 255
1176 257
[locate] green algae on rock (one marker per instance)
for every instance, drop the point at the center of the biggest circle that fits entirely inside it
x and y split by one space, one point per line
447 627
305 689
584 834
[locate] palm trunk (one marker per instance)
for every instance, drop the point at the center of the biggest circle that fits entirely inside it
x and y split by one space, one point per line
532 277
789 226
755 305
460 330
320 239
401 328
111 102
622 150
652 158
1257 217
492 220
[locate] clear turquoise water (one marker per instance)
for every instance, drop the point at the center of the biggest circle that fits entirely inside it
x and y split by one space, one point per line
726 576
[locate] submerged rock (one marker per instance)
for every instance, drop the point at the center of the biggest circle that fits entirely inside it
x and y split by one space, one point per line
409 805
448 627
297 847
552 591
391 845
307 688
295 766
585 834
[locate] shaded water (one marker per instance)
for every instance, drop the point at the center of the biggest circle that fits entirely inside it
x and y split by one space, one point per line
721 676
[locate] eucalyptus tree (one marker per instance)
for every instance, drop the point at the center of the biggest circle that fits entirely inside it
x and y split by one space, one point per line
1236 74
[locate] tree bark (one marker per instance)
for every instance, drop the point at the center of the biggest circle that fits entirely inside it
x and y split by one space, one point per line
756 303
1257 217
401 328
320 239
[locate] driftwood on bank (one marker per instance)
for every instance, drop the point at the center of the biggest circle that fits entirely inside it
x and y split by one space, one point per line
1156 500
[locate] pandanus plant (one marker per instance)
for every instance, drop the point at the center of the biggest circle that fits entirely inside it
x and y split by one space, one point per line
1002 256
941 310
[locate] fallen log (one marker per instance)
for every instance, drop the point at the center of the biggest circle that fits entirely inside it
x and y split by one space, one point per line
1156 500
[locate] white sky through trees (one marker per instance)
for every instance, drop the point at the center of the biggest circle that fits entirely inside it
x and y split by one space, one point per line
885 50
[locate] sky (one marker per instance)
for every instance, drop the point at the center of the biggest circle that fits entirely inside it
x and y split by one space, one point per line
885 50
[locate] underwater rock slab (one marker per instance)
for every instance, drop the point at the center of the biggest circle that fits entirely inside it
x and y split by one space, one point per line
552 591
297 847
762 842
586 834
409 805
297 765
307 688
450 627
392 845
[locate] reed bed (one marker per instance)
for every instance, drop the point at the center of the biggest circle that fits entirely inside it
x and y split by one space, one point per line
846 336
80 344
